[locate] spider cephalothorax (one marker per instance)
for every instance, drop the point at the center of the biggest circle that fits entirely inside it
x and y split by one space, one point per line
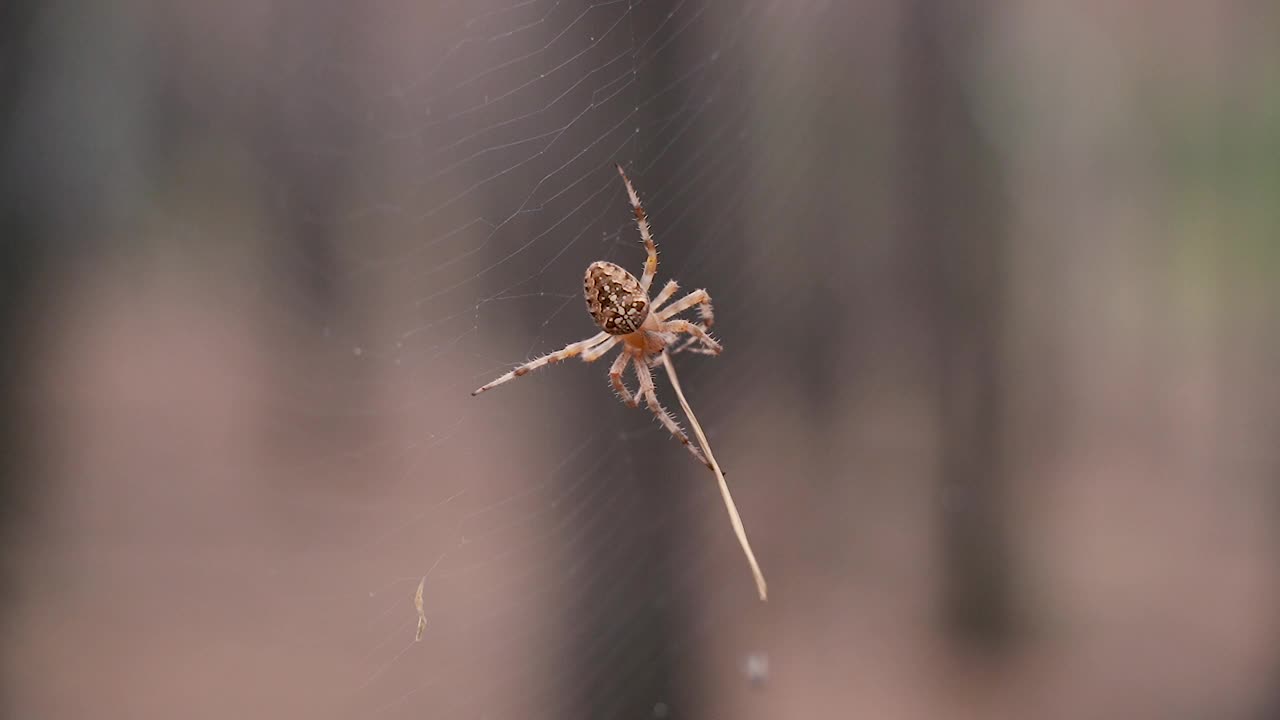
621 307
614 298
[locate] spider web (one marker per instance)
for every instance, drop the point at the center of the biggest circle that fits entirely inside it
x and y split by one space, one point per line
278 496
961 374
447 174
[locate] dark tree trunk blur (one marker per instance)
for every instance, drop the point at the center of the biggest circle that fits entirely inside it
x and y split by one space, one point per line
642 664
22 224
952 222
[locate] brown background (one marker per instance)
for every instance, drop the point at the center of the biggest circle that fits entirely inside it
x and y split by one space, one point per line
997 288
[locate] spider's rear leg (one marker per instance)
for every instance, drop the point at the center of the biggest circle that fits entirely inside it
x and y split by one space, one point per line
709 345
697 297
615 376
667 291
706 314
651 396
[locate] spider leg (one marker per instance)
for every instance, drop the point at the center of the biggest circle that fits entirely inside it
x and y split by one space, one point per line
599 351
667 291
696 345
692 347
635 399
709 344
664 417
697 297
706 314
642 222
615 376
564 353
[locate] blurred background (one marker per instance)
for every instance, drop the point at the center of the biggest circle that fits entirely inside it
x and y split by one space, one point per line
997 284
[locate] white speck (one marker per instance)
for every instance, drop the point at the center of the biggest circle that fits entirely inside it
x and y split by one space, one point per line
660 710
358 351
756 667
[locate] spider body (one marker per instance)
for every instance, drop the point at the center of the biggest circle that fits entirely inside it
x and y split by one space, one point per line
620 305
615 299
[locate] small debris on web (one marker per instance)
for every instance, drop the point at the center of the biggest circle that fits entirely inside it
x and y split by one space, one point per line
422 615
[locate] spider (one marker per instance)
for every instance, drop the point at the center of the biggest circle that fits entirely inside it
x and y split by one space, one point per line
626 316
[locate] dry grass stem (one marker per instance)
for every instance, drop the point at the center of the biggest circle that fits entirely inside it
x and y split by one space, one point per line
761 586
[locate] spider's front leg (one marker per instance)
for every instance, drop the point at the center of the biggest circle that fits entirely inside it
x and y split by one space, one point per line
642 222
599 351
564 353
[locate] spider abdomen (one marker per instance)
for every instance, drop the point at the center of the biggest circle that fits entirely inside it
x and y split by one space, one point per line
615 299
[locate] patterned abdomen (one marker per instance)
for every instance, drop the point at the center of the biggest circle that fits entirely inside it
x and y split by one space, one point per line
614 298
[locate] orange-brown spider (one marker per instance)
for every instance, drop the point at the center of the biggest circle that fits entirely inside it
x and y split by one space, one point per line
620 306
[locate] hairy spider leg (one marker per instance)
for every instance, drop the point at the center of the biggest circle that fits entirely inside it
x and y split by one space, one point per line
564 353
702 300
667 291
697 297
664 417
642 222
599 351
615 376
697 333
